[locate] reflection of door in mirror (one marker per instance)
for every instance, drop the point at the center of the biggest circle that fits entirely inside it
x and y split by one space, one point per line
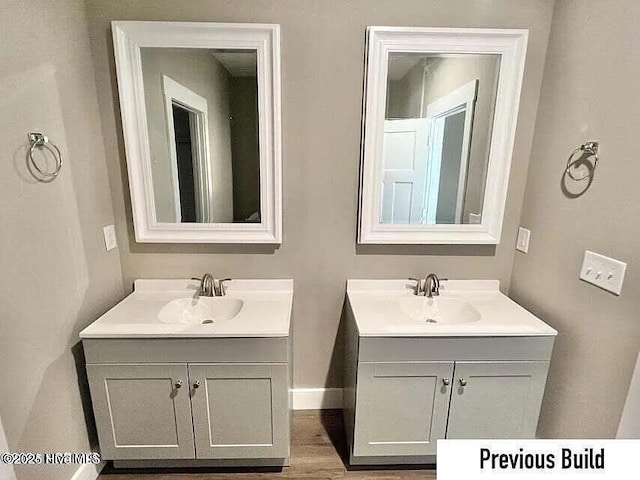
450 118
202 121
188 140
404 170
436 137
186 164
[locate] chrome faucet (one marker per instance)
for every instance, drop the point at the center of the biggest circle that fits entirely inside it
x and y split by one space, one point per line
206 285
429 287
211 287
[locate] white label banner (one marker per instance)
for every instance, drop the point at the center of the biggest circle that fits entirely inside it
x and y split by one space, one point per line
538 459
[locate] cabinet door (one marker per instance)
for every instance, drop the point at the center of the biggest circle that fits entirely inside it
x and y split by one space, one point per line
496 399
240 410
401 408
139 412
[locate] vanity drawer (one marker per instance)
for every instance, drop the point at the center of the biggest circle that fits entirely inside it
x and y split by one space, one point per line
163 350
397 349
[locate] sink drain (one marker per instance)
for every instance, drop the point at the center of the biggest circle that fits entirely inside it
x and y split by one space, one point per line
204 322
430 320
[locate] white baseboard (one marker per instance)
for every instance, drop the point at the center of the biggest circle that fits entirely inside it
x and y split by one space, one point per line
88 471
316 398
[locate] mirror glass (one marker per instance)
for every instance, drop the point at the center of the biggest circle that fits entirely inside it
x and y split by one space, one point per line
202 120
437 132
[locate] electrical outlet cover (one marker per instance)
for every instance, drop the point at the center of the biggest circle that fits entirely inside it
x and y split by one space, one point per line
110 241
522 243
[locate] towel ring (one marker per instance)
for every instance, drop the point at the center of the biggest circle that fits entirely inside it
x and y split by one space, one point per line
590 149
38 140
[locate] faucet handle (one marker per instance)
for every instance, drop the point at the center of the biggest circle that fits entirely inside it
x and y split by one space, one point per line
418 287
200 286
223 290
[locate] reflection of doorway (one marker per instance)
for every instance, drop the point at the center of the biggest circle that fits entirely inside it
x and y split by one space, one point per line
182 130
450 119
425 162
187 128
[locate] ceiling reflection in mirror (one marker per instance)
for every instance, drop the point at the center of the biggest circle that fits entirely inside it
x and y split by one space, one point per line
202 120
437 133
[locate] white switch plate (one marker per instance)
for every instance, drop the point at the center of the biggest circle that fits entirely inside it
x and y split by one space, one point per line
603 272
110 241
522 243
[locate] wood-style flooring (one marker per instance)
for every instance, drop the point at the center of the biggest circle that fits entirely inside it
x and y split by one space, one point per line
318 451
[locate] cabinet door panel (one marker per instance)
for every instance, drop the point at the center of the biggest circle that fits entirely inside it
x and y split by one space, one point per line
139 412
401 408
500 399
240 411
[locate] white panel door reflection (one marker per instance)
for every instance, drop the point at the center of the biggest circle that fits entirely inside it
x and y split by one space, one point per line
425 161
404 167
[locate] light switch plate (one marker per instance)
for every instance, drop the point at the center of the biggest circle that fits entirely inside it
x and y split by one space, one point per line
110 241
522 243
604 272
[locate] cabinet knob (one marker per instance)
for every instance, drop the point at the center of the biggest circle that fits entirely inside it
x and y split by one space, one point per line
445 381
178 384
196 384
463 382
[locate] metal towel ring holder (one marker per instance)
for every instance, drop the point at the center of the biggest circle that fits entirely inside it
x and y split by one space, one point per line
38 140
589 149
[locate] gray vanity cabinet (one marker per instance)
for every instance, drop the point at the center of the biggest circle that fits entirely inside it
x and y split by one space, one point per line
496 399
402 394
206 401
402 407
139 412
240 411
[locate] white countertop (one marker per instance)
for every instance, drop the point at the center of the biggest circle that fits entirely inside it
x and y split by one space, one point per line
375 305
266 311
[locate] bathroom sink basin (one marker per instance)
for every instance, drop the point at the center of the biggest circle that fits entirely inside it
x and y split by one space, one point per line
464 308
170 308
439 310
202 310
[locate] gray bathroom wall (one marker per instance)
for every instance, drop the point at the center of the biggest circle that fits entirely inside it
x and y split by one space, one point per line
404 95
588 94
55 274
245 153
322 79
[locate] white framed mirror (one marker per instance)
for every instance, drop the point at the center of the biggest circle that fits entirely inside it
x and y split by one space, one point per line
439 119
200 106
